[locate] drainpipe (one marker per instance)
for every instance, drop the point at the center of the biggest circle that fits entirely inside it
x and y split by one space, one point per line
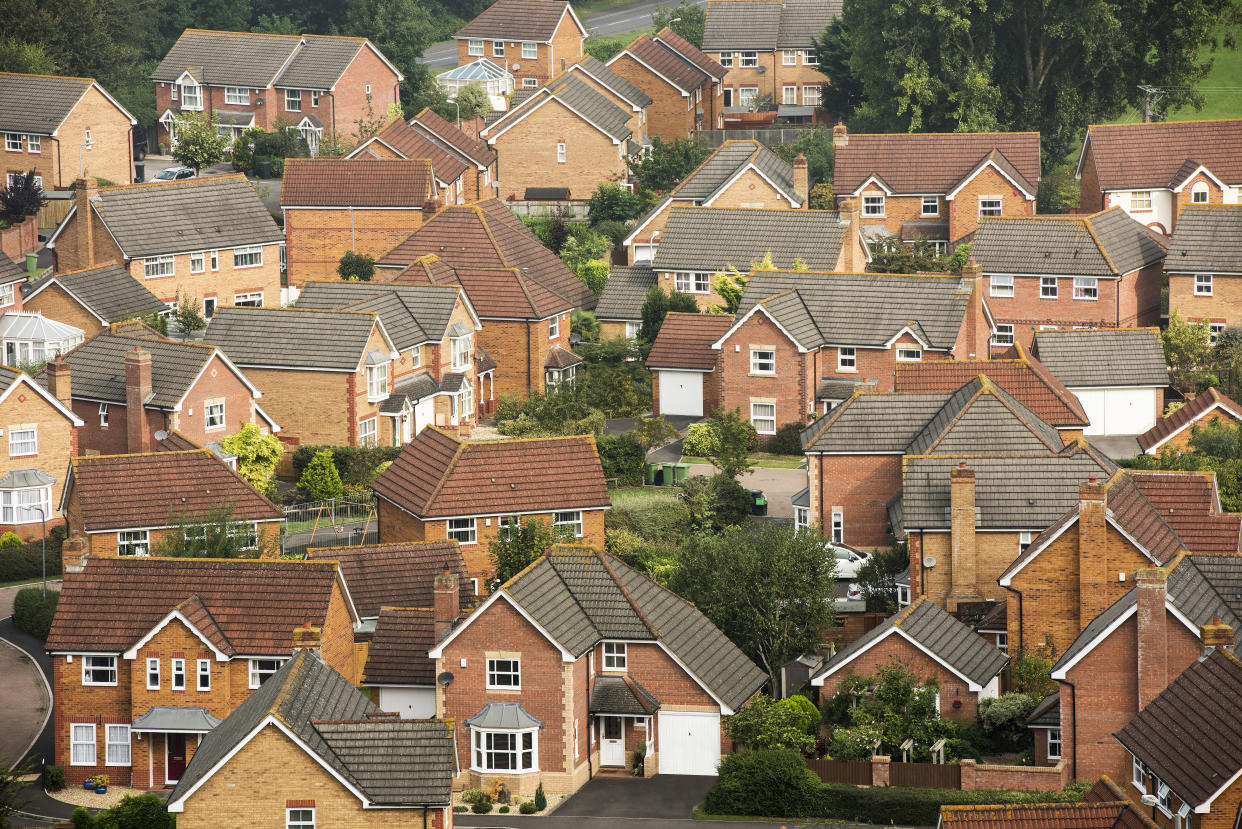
1074 731
1021 636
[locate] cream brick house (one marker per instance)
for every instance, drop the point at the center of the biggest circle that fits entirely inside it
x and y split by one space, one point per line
683 83
534 39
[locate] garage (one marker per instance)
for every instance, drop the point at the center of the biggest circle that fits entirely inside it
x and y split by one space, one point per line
1118 411
689 742
681 392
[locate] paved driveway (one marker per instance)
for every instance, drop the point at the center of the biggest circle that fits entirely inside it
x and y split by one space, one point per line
662 796
778 485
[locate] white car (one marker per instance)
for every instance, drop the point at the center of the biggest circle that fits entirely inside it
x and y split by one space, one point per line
849 561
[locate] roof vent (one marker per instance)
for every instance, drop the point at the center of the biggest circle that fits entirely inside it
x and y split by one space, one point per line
512 486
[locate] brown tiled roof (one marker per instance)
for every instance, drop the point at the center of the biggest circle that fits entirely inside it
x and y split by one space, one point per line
1195 408
496 293
1123 814
411 143
1140 518
400 575
690 52
1189 503
437 475
1129 156
470 146
685 341
398 652
919 163
560 358
667 62
245 606
161 488
357 182
516 20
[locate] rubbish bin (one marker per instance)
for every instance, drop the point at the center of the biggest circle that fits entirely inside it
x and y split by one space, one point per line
653 472
681 471
264 169
140 173
759 504
32 263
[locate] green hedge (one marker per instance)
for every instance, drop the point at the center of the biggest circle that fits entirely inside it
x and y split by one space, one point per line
622 458
26 561
356 464
907 806
33 612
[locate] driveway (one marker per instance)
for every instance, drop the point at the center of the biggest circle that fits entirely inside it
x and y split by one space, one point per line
778 485
1117 447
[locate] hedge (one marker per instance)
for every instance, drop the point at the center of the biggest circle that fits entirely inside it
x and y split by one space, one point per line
908 806
622 458
33 612
26 561
356 464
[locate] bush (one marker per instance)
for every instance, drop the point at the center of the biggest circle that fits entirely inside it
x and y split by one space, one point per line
806 709
473 796
460 809
702 440
787 440
622 457
320 480
667 521
355 464
612 203
482 807
528 807
907 806
613 231
504 810
10 540
54 778
541 799
82 819
1004 719
26 561
356 267
33 612
768 783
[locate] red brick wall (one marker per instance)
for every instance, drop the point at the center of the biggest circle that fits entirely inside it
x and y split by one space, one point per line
348 102
789 388
670 114
1090 197
862 485
964 209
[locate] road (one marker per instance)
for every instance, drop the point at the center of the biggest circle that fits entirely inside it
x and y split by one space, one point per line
613 21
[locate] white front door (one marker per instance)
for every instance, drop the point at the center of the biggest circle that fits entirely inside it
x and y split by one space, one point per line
612 742
689 742
681 393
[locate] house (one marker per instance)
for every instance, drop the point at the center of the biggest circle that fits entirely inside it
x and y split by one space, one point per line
1049 272
929 641
127 384
496 81
1045 721
595 659
737 174
683 364
620 307
534 39
398 140
1105 806
322 86
683 83
329 741
1204 264
479 182
1118 374
334 206
49 122
977 175
768 48
151 654
1174 430
402 574
209 239
12 281
439 376
564 134
125 505
441 488
91 299
699 242
1154 170
618 91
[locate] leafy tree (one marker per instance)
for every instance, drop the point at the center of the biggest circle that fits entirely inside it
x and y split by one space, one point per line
276 24
877 577
218 535
612 202
21 198
472 99
821 197
843 93
1029 673
187 317
657 305
788 594
763 723
737 440
257 456
714 502
401 29
816 147
1227 359
515 546
667 163
1187 352
356 267
199 144
685 19
584 325
1004 719
603 49
320 479
730 284
892 705
1059 191
891 255
584 255
26 58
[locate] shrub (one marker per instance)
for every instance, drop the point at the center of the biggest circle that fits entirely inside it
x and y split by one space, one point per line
613 231
33 612
26 561
356 267
702 440
622 458
806 708
504 810
787 440
460 809
611 202
1004 718
482 807
769 782
473 796
541 799
10 540
907 806
528 807
355 464
21 198
54 778
320 480
82 819
656 521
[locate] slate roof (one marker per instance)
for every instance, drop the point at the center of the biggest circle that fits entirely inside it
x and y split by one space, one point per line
180 216
624 293
495 293
709 238
321 63
176 718
1189 503
257 60
1152 155
581 597
437 475
613 82
964 651
685 341
727 161
38 104
983 418
1106 244
292 337
448 135
517 20
929 163
396 575
357 182
398 651
108 291
871 423
10 272
1104 357
243 606
410 143
621 695
504 715
766 24
411 314
1207 239
1047 714
577 95
1187 415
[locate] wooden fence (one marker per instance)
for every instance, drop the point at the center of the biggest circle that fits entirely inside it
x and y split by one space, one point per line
925 775
854 772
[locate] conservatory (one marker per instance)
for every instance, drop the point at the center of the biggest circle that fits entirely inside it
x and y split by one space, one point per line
496 81
30 339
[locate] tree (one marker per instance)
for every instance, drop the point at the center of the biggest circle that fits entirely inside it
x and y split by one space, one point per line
842 94
26 58
738 439
217 535
145 811
891 255
473 101
657 305
584 325
729 284
687 20
1187 350
517 544
12 789
877 578
356 267
187 317
199 143
763 723
257 456
320 479
21 197
667 163
891 705
583 253
714 502
787 598
816 147
612 203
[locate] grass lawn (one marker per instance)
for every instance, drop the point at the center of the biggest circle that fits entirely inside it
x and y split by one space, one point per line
37 580
762 460
1222 88
633 496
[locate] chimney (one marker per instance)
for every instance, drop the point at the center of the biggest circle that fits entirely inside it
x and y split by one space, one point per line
447 603
1096 581
962 534
430 205
1153 634
306 638
1216 636
73 553
802 179
137 392
840 135
85 191
977 330
58 381
972 270
854 257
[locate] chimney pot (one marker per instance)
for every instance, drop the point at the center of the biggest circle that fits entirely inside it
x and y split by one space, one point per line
1216 635
306 638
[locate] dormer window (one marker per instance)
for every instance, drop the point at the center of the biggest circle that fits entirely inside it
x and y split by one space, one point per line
1199 193
461 352
191 96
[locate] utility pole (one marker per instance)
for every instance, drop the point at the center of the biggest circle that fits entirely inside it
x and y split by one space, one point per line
1150 95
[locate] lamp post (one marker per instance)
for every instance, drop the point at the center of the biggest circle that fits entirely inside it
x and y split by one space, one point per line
85 146
43 518
453 101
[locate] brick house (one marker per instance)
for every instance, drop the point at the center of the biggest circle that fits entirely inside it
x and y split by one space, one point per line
209 239
976 175
595 658
682 82
91 299
1048 272
1154 170
620 307
50 122
737 174
768 48
342 761
1104 806
398 140
618 91
683 364
1204 267
150 654
480 159
562 135
42 437
334 206
534 39
927 640
321 85
12 284
441 488
1174 431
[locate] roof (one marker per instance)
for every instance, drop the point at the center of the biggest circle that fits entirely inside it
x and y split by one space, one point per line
935 631
685 74
398 651
1187 415
1190 504
477 70
11 272
1104 357
709 238
242 606
504 715
1047 713
685 341
32 325
730 159
578 96
1207 239
1118 814
414 314
437 475
160 489
192 214
495 293
983 418
1152 155
109 292
560 358
358 182
766 24
25 478
38 104
292 337
176 718
397 575
870 423
613 82
621 695
448 135
930 163
1104 244
259 60
535 20
624 293
669 39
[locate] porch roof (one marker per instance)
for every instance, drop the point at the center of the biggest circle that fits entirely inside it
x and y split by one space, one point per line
621 695
177 719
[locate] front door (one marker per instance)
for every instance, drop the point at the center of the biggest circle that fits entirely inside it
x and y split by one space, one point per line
175 758
612 746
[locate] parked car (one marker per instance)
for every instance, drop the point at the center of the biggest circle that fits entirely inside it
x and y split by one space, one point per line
173 174
849 561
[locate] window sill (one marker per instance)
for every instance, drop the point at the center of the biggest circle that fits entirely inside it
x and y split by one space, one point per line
160 276
1086 299
213 428
847 370
505 690
23 454
762 374
246 267
505 772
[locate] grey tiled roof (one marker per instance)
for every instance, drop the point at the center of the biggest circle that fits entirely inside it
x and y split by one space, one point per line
256 60
726 162
10 271
582 99
708 238
504 715
621 695
97 368
25 479
109 291
176 718
614 82
396 762
321 63
291 337
873 423
411 314
1104 357
1207 239
624 293
766 24
803 20
1103 244
409 390
37 103
1047 714
982 418
181 216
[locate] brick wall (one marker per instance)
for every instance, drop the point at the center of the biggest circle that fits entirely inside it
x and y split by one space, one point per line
55 303
862 486
81 247
317 239
789 388
964 209
528 153
20 239
1090 196
1214 195
994 551
520 349
1181 440
57 161
348 101
895 649
1224 305
899 210
311 406
670 114
56 444
223 285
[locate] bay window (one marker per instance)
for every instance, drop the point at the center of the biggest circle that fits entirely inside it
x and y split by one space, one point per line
501 751
18 506
377 382
461 352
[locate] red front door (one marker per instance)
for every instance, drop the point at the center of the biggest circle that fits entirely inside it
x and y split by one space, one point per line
176 757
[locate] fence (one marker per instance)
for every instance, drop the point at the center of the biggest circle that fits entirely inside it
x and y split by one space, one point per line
573 211
966 776
334 522
925 775
771 137
854 772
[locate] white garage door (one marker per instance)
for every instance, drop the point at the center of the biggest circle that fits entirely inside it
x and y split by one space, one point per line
1092 401
681 393
689 742
1118 411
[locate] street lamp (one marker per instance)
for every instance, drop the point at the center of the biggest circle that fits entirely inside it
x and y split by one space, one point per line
43 517
86 146
453 101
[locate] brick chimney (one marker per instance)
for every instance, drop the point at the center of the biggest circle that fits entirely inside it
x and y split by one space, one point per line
1096 590
1153 634
306 638
962 534
840 135
85 190
137 392
73 553
58 381
1216 635
447 603
802 179
853 258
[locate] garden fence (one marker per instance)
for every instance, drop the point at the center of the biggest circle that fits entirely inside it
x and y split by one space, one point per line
926 775
334 522
854 772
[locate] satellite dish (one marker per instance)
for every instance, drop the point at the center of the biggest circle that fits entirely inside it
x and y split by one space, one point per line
445 678
1148 800
929 562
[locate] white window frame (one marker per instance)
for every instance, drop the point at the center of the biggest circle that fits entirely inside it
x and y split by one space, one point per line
300 817
250 256
761 420
116 738
137 541
789 94
1214 331
1200 189
215 260
368 432
1203 284
1164 798
377 382
726 60
498 48
554 327
847 358
293 100
462 530
812 94
1182 819
259 671
153 673
1003 334
560 152
873 206
16 506
909 354
191 96
1000 285
8 296
237 95
19 446
530 83
616 656
1048 287
1138 774
202 672
1086 288
747 95
107 665
838 526
986 207
461 348
34 144
474 48
762 361
1140 200
13 142
507 677
177 674
88 142
198 262
315 93
213 416
483 750
809 58
935 205
802 518
789 57
749 60
158 267
571 519
1054 741
530 50
76 742
692 282
251 299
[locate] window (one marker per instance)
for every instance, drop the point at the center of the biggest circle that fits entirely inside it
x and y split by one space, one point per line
1002 642
1140 200
1162 797
248 257
12 178
191 96
1047 287
204 674
315 98
750 59
802 518
763 418
504 750
567 524
299 819
498 48
82 744
86 137
7 296
909 354
1054 744
474 48
462 530
838 526
847 359
465 400
746 96
1003 335
158 266
505 524
1001 285
293 100
530 83
133 543
873 205
17 506
198 262
23 442
1182 819
560 152
789 57
1203 284
1086 287
13 142
368 432
989 205
1138 774
34 143
903 595
236 95
553 377
213 415
261 669
530 51
808 57
1214 329
377 382
153 673
99 670
209 307
810 95
116 745
762 362
691 283
504 673
215 260
789 95
461 352
173 94
1024 540
178 674
250 300
726 60
931 205
1199 194
614 656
